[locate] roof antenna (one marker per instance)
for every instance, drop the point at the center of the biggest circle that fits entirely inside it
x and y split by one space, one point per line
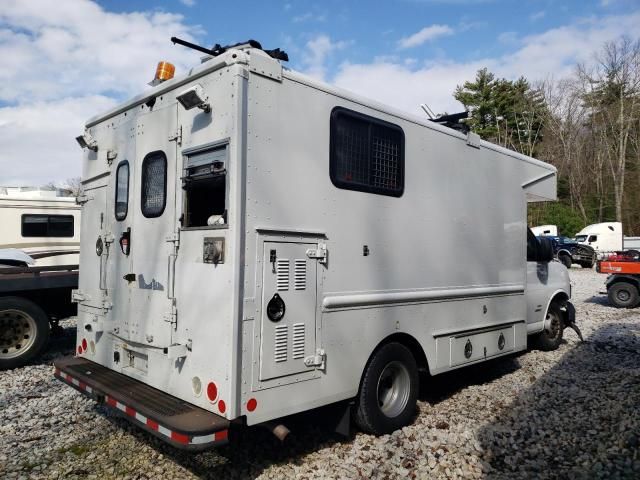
428 111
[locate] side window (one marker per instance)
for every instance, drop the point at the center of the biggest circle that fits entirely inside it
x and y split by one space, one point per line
204 184
47 225
593 238
122 191
366 154
154 184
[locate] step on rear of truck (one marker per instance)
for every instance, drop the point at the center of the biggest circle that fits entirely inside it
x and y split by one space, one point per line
179 423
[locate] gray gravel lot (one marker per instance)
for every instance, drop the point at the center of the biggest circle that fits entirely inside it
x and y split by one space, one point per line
573 413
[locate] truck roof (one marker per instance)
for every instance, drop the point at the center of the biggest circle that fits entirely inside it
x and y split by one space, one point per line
259 61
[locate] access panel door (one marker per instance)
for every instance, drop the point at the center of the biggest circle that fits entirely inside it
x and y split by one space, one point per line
92 281
288 309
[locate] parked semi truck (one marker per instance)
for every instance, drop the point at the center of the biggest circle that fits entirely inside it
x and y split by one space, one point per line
256 243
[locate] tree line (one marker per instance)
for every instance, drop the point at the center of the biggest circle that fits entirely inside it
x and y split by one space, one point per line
587 125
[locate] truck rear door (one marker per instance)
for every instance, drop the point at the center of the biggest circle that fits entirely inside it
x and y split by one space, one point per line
145 308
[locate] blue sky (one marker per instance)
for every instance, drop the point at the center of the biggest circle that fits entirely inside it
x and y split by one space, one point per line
66 61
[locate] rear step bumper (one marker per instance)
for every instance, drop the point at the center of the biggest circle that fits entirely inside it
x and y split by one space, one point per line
176 422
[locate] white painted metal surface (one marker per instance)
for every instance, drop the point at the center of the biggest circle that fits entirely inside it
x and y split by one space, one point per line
444 263
545 230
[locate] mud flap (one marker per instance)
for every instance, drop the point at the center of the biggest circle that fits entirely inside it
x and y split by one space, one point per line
569 319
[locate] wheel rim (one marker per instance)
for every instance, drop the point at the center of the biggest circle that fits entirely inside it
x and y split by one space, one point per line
394 386
623 295
553 324
17 333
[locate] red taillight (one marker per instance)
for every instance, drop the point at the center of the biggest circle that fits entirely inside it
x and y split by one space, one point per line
212 392
222 406
252 404
84 344
79 349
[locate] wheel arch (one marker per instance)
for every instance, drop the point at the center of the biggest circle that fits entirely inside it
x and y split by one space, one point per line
408 341
559 296
623 278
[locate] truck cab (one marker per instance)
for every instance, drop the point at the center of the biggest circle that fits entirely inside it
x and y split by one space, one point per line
548 291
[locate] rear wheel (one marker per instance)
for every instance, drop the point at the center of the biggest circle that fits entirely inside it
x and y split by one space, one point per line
586 265
389 390
24 331
623 295
551 336
565 260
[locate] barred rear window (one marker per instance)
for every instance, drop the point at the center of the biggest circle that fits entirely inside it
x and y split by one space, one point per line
367 154
154 184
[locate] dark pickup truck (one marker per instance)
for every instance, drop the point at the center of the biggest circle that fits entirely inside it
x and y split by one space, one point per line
568 251
32 301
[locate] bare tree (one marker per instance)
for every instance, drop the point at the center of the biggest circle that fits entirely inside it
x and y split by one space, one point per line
614 103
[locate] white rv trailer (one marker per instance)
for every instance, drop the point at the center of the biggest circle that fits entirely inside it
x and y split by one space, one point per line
545 231
256 243
40 223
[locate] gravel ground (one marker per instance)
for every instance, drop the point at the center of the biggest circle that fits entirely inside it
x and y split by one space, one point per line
572 413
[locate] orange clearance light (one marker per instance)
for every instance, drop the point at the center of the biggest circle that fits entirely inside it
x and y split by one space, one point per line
164 71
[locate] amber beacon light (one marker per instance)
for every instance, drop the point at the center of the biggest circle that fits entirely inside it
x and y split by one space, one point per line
164 71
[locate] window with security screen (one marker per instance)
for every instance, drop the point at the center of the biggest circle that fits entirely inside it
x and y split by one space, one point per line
154 184
367 154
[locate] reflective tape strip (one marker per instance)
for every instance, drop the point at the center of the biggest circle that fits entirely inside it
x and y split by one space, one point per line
152 424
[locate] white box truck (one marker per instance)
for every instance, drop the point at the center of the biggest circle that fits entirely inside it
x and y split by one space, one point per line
256 243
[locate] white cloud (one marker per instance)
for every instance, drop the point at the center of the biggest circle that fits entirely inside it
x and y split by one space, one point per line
64 62
537 15
37 140
427 33
555 51
188 3
309 16
319 49
508 37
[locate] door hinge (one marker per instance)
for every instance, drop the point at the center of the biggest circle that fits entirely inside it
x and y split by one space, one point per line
319 253
172 315
82 199
173 238
317 360
78 296
177 136
108 238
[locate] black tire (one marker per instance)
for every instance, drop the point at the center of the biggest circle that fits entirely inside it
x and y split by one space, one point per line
565 260
551 338
623 295
389 390
588 265
24 331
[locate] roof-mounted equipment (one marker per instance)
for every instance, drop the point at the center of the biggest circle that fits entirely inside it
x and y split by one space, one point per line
218 49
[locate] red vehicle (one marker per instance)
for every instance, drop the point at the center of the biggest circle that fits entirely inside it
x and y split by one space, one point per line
623 283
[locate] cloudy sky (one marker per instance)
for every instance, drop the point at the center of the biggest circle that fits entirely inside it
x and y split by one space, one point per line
65 61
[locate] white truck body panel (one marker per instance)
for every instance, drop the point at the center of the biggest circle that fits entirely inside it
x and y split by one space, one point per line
352 268
545 230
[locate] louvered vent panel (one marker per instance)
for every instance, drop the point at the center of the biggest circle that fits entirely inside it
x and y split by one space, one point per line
298 341
300 275
281 343
282 274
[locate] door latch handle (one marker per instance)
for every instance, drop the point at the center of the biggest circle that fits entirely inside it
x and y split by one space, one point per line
272 259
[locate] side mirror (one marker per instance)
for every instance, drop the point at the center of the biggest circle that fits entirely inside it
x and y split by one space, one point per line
545 249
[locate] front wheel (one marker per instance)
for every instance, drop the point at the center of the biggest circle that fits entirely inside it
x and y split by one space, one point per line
389 390
623 295
24 331
565 260
551 337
